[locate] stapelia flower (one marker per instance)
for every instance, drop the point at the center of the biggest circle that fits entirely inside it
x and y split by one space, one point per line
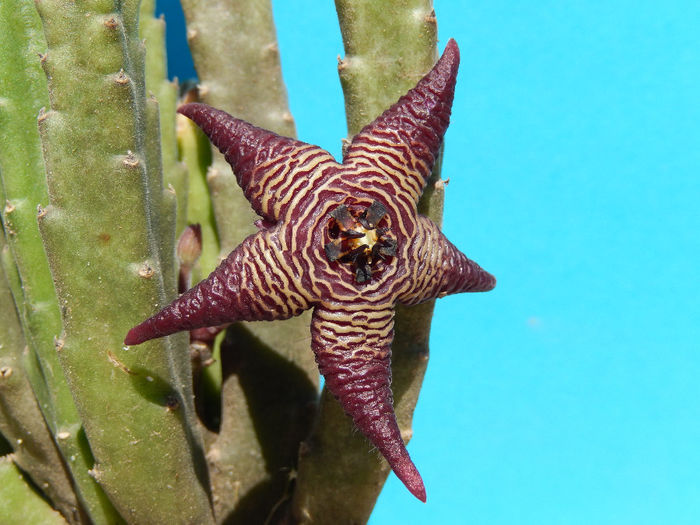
344 239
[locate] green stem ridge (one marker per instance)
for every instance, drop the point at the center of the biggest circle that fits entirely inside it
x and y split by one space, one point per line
102 232
389 47
19 503
234 47
22 94
152 31
23 89
21 421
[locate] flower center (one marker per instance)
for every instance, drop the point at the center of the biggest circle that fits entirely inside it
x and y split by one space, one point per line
357 240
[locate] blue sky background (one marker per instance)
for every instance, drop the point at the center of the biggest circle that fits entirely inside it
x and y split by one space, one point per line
571 393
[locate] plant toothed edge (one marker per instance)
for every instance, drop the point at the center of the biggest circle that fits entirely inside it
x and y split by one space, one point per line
24 92
102 237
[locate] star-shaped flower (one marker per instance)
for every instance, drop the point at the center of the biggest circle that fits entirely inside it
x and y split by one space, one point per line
344 239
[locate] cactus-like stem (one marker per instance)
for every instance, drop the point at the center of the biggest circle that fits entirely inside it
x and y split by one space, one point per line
14 283
195 153
19 503
234 47
235 52
23 92
164 200
152 31
148 74
21 421
389 46
102 240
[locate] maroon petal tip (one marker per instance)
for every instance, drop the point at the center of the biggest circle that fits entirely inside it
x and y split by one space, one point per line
490 283
452 45
411 478
134 337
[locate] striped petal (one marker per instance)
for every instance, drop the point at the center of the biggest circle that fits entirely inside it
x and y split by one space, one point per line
270 168
352 344
438 268
404 141
252 284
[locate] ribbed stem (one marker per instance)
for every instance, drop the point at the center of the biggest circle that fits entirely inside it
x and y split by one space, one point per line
102 234
23 91
21 421
152 31
19 503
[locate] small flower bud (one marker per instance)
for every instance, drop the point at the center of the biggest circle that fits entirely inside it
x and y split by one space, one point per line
189 247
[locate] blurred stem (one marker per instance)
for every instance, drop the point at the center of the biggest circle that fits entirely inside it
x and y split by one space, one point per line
152 31
389 46
19 503
234 47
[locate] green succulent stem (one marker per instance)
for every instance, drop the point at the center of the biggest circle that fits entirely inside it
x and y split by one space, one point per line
21 421
389 46
152 31
103 231
22 95
20 504
23 92
235 52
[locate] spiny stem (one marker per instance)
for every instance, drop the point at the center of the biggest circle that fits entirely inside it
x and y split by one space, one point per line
102 236
23 89
21 421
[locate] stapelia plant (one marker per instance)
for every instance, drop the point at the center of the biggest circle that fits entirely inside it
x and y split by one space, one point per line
97 186
344 239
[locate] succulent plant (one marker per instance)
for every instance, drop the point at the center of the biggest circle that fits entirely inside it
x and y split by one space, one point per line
100 180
